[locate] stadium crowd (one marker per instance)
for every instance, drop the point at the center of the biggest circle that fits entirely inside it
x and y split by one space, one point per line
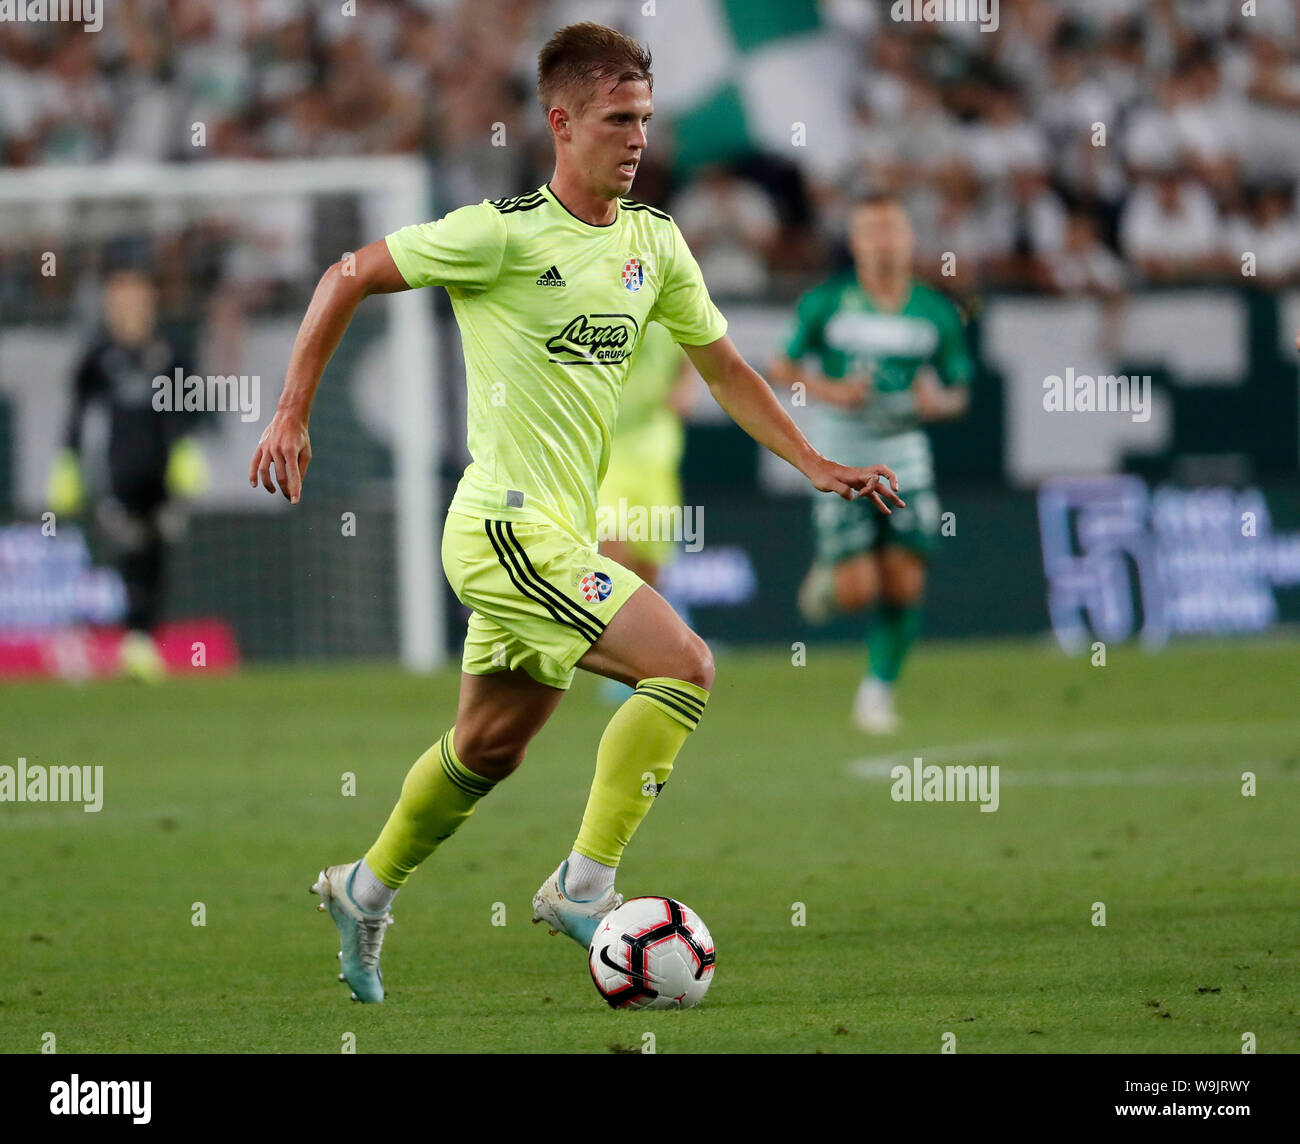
1085 146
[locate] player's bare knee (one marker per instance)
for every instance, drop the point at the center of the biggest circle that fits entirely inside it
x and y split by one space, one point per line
857 598
697 664
856 592
904 590
856 585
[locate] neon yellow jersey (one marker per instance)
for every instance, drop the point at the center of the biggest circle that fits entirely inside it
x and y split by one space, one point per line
551 311
649 432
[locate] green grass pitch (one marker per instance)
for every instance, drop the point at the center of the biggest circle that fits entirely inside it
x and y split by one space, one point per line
1119 784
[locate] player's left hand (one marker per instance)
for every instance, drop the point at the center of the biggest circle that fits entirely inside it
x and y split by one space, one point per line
874 481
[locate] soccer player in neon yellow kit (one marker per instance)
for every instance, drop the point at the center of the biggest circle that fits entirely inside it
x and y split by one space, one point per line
552 291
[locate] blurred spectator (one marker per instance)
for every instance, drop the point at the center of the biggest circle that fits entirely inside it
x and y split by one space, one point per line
1083 264
1151 140
1006 140
877 158
732 229
1170 228
930 139
74 109
1075 96
1023 229
214 75
1209 121
947 222
887 76
1270 230
1274 76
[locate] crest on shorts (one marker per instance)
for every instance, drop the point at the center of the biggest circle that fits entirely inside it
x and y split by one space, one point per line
595 586
633 275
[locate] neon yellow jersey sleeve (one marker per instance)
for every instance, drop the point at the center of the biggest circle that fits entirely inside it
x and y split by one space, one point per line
462 251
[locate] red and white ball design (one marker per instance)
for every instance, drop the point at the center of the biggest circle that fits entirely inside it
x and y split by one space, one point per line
652 953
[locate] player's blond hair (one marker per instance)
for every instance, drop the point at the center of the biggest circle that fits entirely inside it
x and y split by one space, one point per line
580 56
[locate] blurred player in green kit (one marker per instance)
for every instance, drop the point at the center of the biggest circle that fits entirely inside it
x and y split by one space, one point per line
892 355
642 484
645 455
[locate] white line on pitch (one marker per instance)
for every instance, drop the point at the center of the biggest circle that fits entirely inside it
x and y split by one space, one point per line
881 766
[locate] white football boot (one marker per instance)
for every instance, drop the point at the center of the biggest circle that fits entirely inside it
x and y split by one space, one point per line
873 708
361 934
816 595
578 920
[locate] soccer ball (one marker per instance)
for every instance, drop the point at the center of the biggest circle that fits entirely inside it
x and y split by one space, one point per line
652 953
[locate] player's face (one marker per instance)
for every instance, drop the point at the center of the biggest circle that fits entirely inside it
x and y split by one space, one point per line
610 135
129 306
881 238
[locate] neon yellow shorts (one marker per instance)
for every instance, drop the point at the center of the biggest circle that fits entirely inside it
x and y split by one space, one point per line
539 598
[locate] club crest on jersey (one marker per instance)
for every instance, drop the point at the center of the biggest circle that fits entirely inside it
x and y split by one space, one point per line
633 274
595 586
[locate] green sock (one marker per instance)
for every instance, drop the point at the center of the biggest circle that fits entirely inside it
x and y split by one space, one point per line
893 628
439 793
634 760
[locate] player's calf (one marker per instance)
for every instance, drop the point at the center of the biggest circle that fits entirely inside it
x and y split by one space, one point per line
633 763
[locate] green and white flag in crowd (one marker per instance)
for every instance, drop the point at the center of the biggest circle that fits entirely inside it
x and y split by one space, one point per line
733 76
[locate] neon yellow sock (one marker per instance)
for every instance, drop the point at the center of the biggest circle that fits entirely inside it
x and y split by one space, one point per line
438 795
634 761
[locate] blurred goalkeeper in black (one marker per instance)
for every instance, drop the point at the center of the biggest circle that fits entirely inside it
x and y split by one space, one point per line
130 463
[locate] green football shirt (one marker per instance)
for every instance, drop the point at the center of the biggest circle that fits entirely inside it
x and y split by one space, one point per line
551 311
840 324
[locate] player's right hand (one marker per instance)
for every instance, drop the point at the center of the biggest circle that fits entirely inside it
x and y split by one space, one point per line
286 445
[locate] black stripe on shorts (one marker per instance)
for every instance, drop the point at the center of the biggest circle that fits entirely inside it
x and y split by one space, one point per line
529 583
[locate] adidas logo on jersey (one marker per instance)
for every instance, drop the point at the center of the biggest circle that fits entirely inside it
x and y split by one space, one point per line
552 277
